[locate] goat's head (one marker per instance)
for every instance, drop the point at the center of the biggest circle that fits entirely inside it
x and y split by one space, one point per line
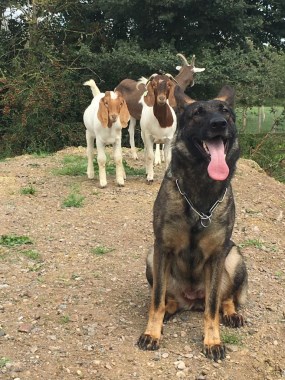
186 73
160 88
111 108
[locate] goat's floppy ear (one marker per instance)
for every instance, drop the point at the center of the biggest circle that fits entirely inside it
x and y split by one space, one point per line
149 98
124 115
171 96
227 94
102 114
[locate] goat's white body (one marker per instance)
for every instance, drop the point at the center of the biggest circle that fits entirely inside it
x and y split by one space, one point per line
153 133
103 136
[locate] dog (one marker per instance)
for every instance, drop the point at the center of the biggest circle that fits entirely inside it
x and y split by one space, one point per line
193 262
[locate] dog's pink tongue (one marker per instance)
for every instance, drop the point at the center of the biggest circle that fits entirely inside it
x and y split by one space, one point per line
218 168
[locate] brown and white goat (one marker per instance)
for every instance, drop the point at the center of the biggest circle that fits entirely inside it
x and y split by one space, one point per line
132 93
104 119
158 119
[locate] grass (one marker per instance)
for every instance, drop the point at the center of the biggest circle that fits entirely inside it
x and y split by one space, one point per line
12 240
252 243
29 190
74 165
100 250
230 338
3 361
31 254
64 319
74 199
271 115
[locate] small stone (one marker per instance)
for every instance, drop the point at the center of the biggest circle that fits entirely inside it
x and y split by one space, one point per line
108 366
181 375
25 328
275 343
165 355
183 334
180 365
2 333
232 348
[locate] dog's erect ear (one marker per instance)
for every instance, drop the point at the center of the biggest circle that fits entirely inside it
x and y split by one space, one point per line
182 99
227 94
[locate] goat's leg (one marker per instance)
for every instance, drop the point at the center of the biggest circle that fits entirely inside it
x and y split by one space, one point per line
90 154
149 158
167 152
120 171
157 157
101 158
132 126
162 153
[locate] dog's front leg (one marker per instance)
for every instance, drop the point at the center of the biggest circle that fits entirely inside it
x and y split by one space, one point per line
150 339
213 347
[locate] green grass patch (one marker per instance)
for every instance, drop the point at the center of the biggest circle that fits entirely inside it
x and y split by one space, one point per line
64 319
32 255
100 251
4 361
252 243
73 200
230 338
74 165
260 120
12 240
29 190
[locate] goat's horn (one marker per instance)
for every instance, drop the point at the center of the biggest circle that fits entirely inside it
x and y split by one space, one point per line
172 78
193 60
184 60
150 78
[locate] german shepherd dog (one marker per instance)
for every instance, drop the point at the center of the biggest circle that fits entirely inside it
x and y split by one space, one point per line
193 262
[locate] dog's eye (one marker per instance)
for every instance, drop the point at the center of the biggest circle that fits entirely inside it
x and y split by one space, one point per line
225 110
198 111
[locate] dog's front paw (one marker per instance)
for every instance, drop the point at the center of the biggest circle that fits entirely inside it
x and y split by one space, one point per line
147 342
215 352
234 320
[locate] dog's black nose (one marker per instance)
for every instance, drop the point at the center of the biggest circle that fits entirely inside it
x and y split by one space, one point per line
218 123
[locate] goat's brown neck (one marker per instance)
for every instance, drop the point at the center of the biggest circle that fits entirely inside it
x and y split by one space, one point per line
183 80
163 114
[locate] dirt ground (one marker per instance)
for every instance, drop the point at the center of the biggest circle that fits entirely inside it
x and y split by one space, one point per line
71 313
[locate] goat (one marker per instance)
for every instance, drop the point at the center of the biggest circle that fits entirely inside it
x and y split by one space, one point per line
158 119
104 119
132 93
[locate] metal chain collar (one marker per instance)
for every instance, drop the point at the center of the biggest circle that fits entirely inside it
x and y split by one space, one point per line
205 219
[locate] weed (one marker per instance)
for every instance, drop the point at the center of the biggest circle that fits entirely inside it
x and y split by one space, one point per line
230 338
12 240
3 361
29 190
99 251
73 200
32 255
41 154
64 319
252 243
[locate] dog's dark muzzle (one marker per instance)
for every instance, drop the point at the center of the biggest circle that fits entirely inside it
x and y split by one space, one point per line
218 124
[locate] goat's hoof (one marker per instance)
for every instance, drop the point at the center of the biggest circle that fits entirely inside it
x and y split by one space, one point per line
215 352
149 181
146 342
103 186
120 184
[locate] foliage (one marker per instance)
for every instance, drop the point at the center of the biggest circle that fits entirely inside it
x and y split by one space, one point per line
29 190
100 250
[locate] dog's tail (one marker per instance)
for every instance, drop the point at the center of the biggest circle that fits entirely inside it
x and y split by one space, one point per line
91 83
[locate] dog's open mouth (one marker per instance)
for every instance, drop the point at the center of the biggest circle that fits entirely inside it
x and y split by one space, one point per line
215 151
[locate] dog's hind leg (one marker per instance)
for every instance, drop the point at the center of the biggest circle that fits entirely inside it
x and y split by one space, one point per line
150 339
